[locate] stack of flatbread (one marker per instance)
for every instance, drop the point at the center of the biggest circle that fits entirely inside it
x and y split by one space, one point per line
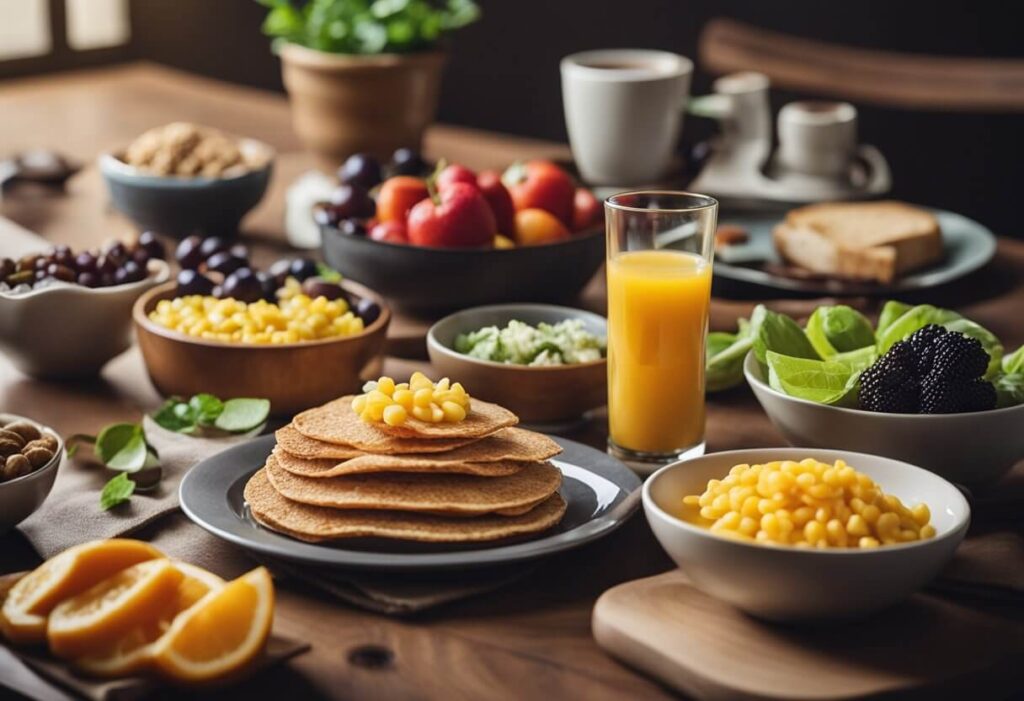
333 476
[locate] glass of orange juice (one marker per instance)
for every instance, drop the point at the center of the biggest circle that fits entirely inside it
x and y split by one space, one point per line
660 247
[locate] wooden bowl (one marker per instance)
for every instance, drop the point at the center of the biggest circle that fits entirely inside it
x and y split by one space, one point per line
293 376
536 394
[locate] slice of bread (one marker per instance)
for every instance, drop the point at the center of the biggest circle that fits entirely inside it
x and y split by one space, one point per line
860 240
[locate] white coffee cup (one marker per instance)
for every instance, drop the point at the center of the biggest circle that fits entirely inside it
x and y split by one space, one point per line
817 138
624 111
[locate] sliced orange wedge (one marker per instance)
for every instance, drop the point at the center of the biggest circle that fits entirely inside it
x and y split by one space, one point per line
99 616
221 634
24 611
133 651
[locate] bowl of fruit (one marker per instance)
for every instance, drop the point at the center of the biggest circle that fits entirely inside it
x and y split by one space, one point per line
926 386
296 334
65 313
444 237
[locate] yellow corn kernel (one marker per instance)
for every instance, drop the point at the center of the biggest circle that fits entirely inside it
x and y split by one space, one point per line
922 514
423 397
857 526
423 413
927 531
403 397
386 386
394 415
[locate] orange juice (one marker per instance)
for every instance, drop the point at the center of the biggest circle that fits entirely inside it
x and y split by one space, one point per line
657 323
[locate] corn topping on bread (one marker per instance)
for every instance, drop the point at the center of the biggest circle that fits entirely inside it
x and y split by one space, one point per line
876 241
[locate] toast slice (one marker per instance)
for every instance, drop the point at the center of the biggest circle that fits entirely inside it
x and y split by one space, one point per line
860 240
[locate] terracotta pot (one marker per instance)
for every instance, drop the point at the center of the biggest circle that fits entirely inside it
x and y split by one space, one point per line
344 104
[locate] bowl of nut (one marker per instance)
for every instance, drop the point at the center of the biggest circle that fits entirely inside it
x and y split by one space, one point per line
184 178
296 333
65 313
30 455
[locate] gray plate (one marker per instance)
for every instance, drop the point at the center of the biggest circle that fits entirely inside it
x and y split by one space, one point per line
600 491
968 245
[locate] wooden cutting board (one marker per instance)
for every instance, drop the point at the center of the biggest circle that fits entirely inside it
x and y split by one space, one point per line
926 648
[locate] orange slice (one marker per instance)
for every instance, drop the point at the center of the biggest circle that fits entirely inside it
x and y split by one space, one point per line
133 651
24 611
222 633
99 616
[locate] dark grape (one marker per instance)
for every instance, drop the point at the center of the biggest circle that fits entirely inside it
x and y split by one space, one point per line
140 256
117 252
302 269
406 161
214 244
129 272
361 169
318 287
269 285
188 253
60 272
367 310
225 262
280 271
243 285
240 250
85 262
192 282
89 279
105 265
42 263
326 214
7 267
62 255
353 202
151 244
218 292
352 227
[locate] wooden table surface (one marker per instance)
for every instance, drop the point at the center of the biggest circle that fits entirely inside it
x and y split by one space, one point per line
529 640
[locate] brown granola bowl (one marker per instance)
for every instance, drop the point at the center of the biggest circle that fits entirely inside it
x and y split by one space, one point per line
293 376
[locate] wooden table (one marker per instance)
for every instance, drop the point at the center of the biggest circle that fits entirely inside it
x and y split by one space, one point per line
529 640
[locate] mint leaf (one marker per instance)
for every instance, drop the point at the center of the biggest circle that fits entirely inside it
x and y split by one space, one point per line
121 447
206 408
117 491
242 414
175 415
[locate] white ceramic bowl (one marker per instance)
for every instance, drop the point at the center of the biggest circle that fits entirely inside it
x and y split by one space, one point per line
970 449
790 584
66 330
20 497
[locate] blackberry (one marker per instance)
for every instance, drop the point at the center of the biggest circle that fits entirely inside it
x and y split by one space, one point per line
957 357
890 384
923 343
942 397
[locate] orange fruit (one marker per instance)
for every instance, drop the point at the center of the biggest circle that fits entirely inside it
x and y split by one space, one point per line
537 226
133 651
24 611
99 616
221 634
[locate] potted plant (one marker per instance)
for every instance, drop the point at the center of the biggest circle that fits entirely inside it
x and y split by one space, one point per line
363 75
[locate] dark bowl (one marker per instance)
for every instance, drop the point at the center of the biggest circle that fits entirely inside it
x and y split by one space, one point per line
179 206
433 279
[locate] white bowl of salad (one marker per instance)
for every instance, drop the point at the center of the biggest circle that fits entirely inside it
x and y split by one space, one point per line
545 363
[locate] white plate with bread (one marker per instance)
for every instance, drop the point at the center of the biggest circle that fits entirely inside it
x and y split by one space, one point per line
852 248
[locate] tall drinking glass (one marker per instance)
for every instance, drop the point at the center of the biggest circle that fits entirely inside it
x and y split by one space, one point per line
660 247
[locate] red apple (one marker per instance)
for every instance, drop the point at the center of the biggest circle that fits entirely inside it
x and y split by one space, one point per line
455 174
497 195
397 196
389 232
586 209
462 219
541 185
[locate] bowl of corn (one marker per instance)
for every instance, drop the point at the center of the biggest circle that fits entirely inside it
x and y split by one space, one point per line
298 353
801 534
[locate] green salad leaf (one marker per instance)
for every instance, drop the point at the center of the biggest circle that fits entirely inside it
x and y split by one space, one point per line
780 334
725 352
892 311
1009 389
1014 362
910 321
822 381
838 329
242 414
116 491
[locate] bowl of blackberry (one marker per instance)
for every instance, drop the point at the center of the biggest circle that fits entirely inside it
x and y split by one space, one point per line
926 386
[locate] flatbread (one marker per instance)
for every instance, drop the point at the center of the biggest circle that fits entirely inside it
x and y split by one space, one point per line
320 469
335 422
499 454
316 523
364 438
429 493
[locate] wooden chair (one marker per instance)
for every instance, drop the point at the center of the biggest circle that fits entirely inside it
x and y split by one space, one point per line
908 81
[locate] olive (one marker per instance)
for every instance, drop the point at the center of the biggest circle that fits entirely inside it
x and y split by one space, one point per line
326 214
43 262
151 244
240 250
406 161
214 244
116 251
129 272
280 271
303 268
60 272
62 255
27 262
7 266
88 279
187 254
225 262
361 169
367 310
352 227
269 286
106 265
352 201
318 287
243 285
192 282
85 262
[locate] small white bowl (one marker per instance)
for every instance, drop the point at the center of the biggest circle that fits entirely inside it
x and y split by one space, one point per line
20 497
66 330
972 449
782 583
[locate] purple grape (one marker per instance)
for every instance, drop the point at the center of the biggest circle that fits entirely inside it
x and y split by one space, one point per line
243 285
214 244
280 271
225 262
89 279
188 253
302 269
367 310
151 244
192 282
406 161
353 202
361 169
352 227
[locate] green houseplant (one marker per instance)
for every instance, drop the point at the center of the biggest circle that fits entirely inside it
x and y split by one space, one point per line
363 75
